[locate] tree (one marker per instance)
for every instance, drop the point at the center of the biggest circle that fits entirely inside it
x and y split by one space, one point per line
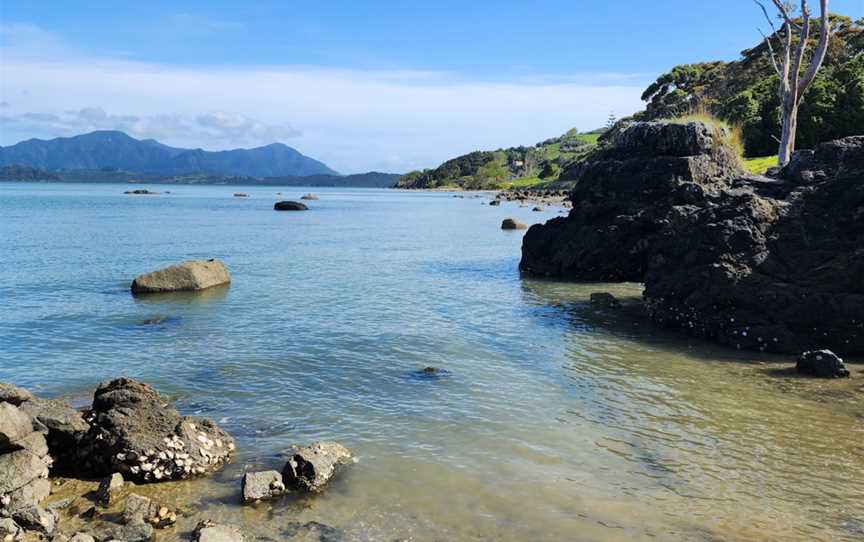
788 59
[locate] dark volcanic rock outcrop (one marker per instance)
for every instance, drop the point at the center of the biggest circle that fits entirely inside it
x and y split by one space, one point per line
751 262
624 199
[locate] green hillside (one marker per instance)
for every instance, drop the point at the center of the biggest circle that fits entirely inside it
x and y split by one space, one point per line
506 168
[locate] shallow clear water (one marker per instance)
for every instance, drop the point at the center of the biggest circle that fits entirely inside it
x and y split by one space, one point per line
557 421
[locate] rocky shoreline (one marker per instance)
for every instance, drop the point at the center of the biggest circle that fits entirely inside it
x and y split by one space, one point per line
84 476
756 263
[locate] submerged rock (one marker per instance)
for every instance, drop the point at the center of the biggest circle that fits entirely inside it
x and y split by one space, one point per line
822 364
312 531
190 275
311 467
747 261
132 532
512 224
495 202
259 486
430 373
241 195
141 191
208 531
605 299
290 206
134 432
140 509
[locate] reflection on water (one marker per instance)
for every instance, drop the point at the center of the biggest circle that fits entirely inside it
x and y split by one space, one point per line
208 295
551 419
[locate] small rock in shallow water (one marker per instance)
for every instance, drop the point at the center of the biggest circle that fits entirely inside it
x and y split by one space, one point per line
311 467
259 486
605 299
290 206
133 532
822 364
110 489
512 224
241 195
207 531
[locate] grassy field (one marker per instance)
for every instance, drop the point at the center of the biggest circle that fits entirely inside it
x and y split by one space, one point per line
524 182
760 165
591 139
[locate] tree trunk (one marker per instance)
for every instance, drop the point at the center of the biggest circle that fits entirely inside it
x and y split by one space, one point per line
789 129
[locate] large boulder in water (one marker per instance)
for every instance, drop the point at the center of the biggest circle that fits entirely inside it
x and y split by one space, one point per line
751 262
190 275
135 432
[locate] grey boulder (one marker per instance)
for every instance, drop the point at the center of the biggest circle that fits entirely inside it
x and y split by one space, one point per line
311 467
259 486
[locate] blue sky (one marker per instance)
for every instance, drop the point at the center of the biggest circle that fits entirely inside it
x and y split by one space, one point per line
361 85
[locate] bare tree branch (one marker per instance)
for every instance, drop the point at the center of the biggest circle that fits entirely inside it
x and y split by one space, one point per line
801 49
772 55
821 48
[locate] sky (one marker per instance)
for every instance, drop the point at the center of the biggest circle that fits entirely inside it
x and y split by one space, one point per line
385 85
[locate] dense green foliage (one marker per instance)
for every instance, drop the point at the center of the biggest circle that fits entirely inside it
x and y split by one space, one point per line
516 166
744 92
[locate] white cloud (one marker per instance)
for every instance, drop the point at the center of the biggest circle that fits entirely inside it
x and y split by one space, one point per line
215 129
354 120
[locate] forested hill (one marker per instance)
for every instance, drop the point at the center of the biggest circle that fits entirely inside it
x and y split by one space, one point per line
108 149
744 92
480 170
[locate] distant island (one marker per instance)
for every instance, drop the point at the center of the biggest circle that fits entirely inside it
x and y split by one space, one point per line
114 156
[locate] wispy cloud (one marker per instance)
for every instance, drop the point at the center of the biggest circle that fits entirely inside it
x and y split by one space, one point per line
352 119
214 129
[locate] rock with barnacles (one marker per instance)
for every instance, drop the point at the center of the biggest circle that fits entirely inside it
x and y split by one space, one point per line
310 467
260 486
136 433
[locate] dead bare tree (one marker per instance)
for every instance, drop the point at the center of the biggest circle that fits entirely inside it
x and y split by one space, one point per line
788 59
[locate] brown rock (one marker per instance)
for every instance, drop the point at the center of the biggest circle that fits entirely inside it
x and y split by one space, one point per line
190 275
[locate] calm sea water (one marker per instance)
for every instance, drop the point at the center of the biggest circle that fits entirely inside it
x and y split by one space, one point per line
555 421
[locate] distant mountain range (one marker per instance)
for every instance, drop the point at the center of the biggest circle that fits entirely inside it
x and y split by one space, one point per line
108 149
